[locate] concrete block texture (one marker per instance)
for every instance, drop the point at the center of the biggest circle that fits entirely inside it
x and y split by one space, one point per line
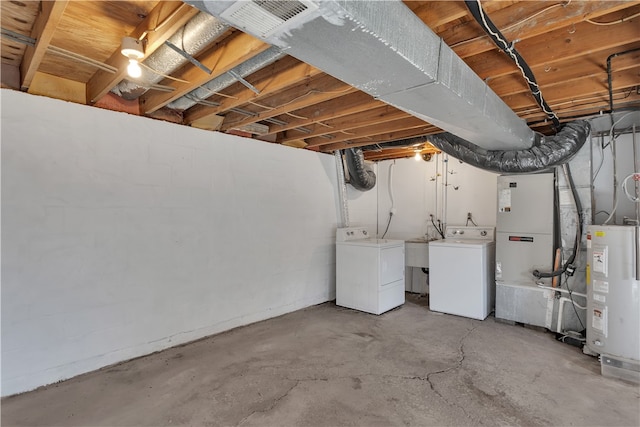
122 236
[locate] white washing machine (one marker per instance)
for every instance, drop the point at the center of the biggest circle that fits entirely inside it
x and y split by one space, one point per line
369 271
461 272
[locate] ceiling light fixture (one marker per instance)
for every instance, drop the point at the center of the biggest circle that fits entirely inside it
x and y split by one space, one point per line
417 157
133 49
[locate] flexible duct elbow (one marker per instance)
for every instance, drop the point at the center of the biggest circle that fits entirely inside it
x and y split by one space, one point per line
547 152
361 175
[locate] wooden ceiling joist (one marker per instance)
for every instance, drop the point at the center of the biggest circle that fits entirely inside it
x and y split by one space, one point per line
556 46
285 73
621 80
381 138
318 90
343 139
568 71
370 117
305 107
397 152
468 40
351 103
45 25
221 58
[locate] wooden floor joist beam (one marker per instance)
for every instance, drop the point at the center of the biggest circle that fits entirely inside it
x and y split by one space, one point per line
221 58
43 29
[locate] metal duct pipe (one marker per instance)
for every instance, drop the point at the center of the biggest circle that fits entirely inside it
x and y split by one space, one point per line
227 79
549 151
193 37
385 50
361 176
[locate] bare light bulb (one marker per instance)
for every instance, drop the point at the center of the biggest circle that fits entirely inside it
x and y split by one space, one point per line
417 156
133 69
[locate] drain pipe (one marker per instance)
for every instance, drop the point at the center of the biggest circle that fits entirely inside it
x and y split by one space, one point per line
610 78
192 38
342 189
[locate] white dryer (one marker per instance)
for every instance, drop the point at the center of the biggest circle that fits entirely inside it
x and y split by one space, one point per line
369 271
461 272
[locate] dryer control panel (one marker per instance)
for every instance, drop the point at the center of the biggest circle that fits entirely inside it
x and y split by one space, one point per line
352 233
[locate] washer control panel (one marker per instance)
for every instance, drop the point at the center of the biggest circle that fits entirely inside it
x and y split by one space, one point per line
470 233
352 233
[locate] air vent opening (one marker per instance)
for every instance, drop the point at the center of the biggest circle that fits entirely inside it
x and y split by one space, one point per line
265 17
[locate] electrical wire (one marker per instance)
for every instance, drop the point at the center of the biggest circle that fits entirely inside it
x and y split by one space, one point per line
475 7
145 66
310 92
515 24
617 21
579 227
601 146
82 59
390 188
388 224
636 177
573 303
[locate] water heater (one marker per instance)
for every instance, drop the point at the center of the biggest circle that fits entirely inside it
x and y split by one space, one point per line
613 299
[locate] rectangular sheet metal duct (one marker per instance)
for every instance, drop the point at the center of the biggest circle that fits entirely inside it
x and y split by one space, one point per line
385 50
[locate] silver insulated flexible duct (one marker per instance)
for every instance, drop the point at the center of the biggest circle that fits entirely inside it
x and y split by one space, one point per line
549 151
361 176
227 79
385 50
202 30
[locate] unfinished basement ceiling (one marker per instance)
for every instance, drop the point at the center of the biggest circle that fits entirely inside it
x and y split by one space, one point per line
249 90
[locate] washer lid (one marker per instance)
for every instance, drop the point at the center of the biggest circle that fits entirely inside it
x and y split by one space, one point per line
461 243
373 242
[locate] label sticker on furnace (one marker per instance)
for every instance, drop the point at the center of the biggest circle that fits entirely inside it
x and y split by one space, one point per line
599 320
599 264
601 286
504 200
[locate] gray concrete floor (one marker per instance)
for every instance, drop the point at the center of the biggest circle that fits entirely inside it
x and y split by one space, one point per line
326 366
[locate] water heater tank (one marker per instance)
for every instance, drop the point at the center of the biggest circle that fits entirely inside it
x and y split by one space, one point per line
613 298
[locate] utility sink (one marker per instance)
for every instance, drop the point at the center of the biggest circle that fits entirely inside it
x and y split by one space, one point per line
416 260
416 252
418 240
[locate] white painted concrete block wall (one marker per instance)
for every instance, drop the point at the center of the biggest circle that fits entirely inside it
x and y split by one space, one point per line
123 235
415 197
363 205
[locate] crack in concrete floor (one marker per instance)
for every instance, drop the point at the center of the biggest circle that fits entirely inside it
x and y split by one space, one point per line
406 366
